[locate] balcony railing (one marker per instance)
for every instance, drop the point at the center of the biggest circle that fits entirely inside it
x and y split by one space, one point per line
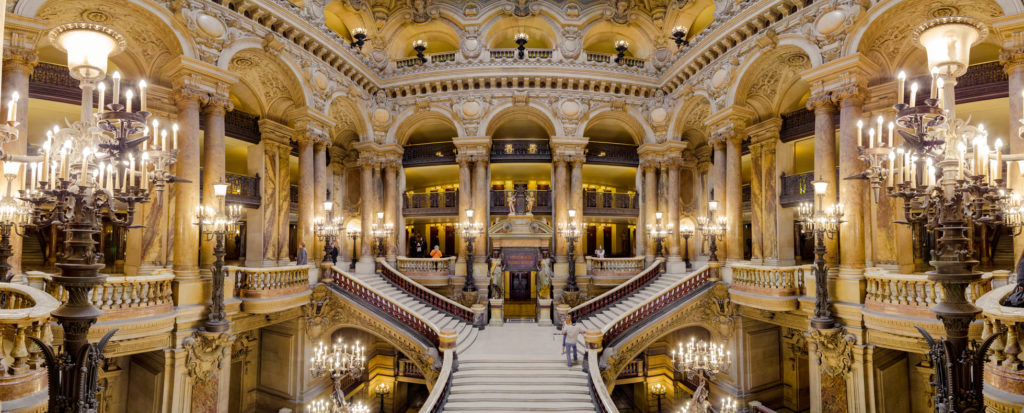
768 287
610 59
120 297
269 282
610 203
429 154
1003 369
241 125
910 294
612 154
24 313
434 58
430 272
530 54
618 293
796 189
610 272
520 151
541 205
244 190
406 368
431 203
634 368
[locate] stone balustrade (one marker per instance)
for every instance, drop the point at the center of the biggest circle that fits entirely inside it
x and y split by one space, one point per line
430 272
120 297
24 312
768 288
265 282
610 272
428 296
1004 369
910 294
357 289
620 292
652 306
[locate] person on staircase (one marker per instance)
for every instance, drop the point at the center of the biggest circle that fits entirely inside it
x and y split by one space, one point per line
571 333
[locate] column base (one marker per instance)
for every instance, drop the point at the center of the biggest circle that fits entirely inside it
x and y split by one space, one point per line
850 286
544 312
189 291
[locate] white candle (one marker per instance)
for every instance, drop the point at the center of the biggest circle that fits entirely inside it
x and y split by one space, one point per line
117 87
880 136
32 176
871 138
12 107
913 94
163 140
901 79
85 166
145 182
174 129
131 169
142 95
110 178
892 161
128 95
891 126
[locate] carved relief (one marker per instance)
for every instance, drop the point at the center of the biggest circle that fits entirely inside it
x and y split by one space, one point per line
833 349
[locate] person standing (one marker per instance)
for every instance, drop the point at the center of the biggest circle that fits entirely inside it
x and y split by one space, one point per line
334 252
436 252
600 251
572 333
301 257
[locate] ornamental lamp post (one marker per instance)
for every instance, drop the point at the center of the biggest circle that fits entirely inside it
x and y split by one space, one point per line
686 231
216 223
521 39
381 232
658 390
469 230
327 229
420 46
353 232
571 232
94 170
382 390
659 231
820 222
621 46
712 228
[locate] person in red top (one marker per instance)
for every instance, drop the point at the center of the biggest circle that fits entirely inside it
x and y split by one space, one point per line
436 252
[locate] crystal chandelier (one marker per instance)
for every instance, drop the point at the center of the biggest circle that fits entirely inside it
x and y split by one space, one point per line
338 361
95 169
705 360
334 406
950 180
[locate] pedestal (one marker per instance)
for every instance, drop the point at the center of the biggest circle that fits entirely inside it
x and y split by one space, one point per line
497 312
674 265
561 312
543 311
479 314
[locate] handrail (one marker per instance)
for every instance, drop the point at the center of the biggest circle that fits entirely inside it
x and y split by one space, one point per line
1004 354
652 305
439 394
777 281
598 393
24 313
122 296
396 310
417 290
261 282
911 294
615 294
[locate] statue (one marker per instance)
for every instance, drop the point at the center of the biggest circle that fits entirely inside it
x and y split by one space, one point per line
530 199
510 200
544 279
497 274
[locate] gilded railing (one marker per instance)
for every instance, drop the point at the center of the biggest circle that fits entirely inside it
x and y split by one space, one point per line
426 266
425 294
768 280
1004 369
910 294
654 305
615 266
371 297
121 297
618 293
24 312
267 282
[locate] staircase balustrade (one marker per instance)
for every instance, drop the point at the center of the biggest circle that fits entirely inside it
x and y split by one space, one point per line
442 388
603 402
1004 369
653 306
395 310
615 294
911 294
24 312
267 282
406 368
768 280
425 294
120 297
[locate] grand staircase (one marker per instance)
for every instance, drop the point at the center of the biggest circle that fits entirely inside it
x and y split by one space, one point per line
466 333
598 320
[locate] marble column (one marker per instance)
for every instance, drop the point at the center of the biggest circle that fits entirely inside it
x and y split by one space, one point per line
1012 59
465 203
320 180
261 228
561 202
757 200
284 203
481 198
390 189
402 239
850 285
770 203
718 192
640 248
307 197
187 286
650 206
576 197
825 160
672 242
213 167
18 64
733 198
369 201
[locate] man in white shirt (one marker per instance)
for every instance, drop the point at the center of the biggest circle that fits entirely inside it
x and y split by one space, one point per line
571 332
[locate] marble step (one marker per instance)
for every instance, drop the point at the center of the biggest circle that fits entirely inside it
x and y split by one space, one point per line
520 405
520 389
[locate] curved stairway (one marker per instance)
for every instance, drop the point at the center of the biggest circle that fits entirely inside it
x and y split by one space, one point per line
608 314
466 332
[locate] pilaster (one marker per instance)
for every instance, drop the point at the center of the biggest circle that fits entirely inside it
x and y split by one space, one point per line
764 198
728 126
569 151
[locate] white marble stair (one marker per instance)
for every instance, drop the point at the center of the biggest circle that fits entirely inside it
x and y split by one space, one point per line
466 332
609 314
517 383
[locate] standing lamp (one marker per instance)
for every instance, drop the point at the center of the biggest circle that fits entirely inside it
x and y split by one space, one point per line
420 46
469 230
712 229
382 390
571 232
12 215
216 223
686 231
381 232
659 231
327 229
658 390
354 233
621 46
820 222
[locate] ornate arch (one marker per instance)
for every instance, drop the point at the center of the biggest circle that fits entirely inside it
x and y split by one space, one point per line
633 121
273 81
766 80
348 121
502 113
406 122
152 36
691 118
